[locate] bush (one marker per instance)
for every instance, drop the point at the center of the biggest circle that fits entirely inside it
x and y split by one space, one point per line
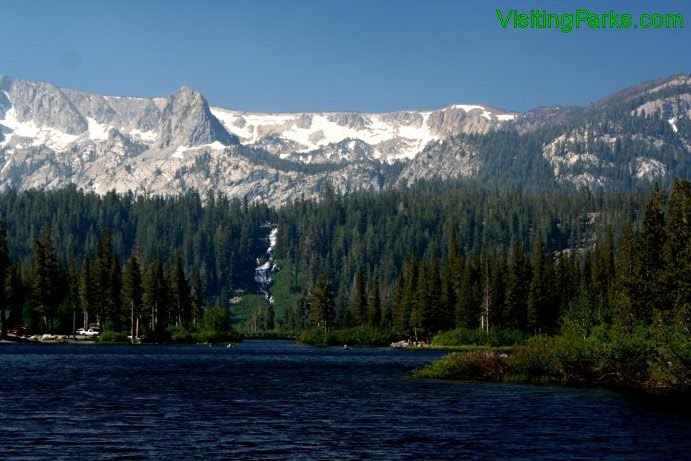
317 337
357 336
466 337
534 361
210 336
477 365
112 337
178 334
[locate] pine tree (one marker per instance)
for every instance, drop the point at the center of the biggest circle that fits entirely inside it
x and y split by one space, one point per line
155 295
626 282
45 291
677 250
103 290
650 273
517 284
180 293
132 292
486 288
538 293
197 298
359 297
436 318
86 291
322 304
374 310
419 314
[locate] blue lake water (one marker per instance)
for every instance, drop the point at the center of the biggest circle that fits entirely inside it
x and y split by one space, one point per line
279 400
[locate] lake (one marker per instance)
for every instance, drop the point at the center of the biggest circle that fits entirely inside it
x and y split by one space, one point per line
280 400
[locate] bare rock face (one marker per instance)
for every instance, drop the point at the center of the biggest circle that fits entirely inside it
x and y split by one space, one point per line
45 105
454 158
187 121
52 137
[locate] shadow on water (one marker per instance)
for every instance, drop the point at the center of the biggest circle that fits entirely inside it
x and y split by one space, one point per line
278 399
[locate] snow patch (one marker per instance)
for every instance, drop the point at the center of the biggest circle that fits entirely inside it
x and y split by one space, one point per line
148 137
506 117
179 152
50 137
467 107
97 132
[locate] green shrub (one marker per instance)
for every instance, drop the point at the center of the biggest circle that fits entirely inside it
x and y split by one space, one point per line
210 336
111 337
534 360
467 336
317 337
477 365
178 334
357 336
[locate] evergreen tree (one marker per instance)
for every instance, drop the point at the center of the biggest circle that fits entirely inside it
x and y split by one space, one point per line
155 296
322 304
436 318
45 291
359 297
374 310
517 285
538 293
86 291
650 273
677 250
419 314
180 294
626 282
132 292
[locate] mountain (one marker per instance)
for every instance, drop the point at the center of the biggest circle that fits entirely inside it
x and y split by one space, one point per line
51 137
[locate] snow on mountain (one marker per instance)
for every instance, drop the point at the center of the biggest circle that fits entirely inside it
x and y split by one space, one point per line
392 136
52 137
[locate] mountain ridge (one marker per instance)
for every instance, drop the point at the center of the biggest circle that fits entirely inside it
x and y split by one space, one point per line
52 137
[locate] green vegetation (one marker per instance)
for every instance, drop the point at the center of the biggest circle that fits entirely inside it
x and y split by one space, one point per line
357 336
626 322
477 337
601 280
653 357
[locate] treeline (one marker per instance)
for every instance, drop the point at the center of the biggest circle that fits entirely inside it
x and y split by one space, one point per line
219 239
626 322
140 299
76 258
437 243
644 275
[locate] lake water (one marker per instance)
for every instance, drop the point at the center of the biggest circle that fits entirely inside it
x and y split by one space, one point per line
279 400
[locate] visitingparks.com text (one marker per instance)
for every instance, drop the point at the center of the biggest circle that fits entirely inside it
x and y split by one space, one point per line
586 19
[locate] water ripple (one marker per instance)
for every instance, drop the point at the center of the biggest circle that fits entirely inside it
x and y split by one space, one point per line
278 400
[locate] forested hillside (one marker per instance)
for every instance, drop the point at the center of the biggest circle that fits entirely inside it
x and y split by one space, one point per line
418 260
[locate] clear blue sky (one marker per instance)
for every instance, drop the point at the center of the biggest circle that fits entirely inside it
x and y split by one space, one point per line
319 55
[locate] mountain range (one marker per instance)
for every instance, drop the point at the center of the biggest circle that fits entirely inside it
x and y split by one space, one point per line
52 137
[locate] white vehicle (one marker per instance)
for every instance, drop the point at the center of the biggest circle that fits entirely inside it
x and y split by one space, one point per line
93 331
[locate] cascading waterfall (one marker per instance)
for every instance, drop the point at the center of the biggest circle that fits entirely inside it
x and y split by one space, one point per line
263 273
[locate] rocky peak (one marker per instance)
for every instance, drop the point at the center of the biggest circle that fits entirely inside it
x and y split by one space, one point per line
44 104
187 121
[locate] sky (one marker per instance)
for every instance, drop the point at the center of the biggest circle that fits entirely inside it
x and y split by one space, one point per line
337 55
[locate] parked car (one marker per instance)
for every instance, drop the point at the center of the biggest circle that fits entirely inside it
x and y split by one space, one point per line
93 331
81 331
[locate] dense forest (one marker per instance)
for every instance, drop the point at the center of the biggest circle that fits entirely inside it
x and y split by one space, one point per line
75 259
413 262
